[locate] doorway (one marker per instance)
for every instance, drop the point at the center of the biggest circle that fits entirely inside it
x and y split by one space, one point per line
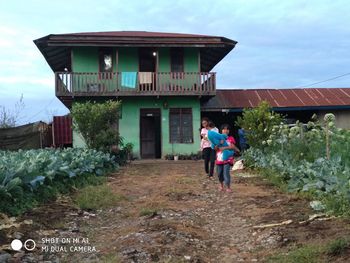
150 133
147 69
147 60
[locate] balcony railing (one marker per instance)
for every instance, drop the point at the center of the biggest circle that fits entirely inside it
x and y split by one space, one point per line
135 83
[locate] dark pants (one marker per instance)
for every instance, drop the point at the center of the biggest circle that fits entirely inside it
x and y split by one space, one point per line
209 156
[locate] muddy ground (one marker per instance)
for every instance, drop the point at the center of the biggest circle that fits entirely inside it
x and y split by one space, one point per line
170 212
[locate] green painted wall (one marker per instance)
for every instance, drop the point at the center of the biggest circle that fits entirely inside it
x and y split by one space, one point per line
190 65
85 59
191 59
130 121
78 140
164 60
128 59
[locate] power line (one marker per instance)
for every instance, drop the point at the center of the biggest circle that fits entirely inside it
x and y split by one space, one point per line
41 110
337 77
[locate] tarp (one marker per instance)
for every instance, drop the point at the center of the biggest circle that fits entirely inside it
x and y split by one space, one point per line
23 137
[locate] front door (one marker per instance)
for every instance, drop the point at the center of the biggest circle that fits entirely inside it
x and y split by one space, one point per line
150 133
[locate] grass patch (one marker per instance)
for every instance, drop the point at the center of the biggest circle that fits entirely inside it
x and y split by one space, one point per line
110 258
337 205
175 260
184 180
274 179
148 211
96 197
337 247
176 190
58 224
313 253
305 254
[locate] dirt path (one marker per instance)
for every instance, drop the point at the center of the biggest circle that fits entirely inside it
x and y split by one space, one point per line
172 213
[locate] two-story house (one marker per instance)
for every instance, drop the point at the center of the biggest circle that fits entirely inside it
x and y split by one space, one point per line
160 78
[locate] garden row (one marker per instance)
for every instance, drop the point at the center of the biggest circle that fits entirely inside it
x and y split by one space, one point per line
31 177
313 158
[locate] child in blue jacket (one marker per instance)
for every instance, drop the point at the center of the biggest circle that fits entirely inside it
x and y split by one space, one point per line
219 140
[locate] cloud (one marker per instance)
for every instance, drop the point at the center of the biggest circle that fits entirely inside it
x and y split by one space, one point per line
25 80
280 43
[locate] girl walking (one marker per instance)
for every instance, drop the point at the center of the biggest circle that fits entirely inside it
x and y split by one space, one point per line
223 167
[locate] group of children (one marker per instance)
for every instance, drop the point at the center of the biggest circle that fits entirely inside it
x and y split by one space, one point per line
218 149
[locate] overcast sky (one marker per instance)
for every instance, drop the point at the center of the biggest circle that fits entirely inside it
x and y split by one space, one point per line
281 44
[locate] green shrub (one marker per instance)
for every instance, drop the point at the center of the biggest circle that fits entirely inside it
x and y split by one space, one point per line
97 123
258 123
123 155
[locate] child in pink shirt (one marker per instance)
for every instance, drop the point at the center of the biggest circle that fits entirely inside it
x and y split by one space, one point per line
223 167
207 152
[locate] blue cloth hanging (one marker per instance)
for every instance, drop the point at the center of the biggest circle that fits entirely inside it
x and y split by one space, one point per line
129 79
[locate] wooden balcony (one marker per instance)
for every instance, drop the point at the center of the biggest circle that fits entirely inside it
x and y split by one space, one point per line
69 84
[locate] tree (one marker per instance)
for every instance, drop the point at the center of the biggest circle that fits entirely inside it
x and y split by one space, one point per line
258 123
97 123
9 118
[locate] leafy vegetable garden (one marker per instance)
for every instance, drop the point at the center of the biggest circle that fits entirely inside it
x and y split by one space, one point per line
312 158
30 177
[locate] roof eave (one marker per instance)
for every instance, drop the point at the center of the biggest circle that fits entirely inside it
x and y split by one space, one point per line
213 49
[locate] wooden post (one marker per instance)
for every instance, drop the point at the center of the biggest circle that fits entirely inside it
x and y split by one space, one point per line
327 142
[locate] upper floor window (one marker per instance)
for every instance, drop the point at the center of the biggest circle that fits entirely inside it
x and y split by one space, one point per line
106 60
177 59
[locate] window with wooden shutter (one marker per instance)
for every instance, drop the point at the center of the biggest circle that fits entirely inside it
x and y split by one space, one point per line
180 125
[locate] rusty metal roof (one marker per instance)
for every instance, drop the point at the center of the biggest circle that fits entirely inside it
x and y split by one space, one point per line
279 98
56 48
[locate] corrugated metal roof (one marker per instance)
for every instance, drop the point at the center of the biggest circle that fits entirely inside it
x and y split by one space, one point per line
279 98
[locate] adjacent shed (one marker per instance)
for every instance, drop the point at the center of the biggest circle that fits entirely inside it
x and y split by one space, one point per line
296 104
